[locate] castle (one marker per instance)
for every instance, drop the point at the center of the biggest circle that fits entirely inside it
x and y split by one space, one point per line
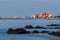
42 15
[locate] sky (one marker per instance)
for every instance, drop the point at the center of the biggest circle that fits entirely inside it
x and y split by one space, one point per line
28 7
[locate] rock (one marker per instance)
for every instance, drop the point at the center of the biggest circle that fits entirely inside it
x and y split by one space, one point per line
20 31
57 27
35 31
16 31
38 27
28 26
54 25
44 31
55 33
10 31
28 32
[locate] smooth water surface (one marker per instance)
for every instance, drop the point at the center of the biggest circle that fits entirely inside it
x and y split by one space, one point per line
6 24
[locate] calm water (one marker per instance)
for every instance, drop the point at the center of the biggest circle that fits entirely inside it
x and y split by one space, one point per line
26 8
5 24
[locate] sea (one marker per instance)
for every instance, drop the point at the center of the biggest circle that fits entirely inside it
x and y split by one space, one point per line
11 8
6 24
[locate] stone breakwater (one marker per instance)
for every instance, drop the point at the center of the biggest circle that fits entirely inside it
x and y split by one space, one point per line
24 31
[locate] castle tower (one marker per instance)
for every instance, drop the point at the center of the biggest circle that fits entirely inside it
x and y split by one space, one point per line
40 14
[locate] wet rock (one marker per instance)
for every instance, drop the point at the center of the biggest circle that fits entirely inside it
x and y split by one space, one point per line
28 32
38 27
17 31
44 31
28 26
10 31
57 27
35 31
55 33
20 31
54 25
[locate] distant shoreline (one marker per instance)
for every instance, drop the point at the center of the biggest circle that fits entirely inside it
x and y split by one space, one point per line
28 19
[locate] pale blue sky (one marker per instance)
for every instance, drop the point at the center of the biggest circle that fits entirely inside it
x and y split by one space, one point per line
27 7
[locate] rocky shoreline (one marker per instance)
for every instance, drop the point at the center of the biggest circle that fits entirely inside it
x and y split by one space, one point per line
42 27
24 31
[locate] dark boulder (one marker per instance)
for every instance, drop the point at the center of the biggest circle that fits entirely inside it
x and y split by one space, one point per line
44 31
35 31
20 31
17 31
54 25
55 33
28 32
28 26
10 31
38 27
57 27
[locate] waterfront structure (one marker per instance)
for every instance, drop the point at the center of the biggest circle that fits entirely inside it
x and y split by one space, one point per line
42 15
